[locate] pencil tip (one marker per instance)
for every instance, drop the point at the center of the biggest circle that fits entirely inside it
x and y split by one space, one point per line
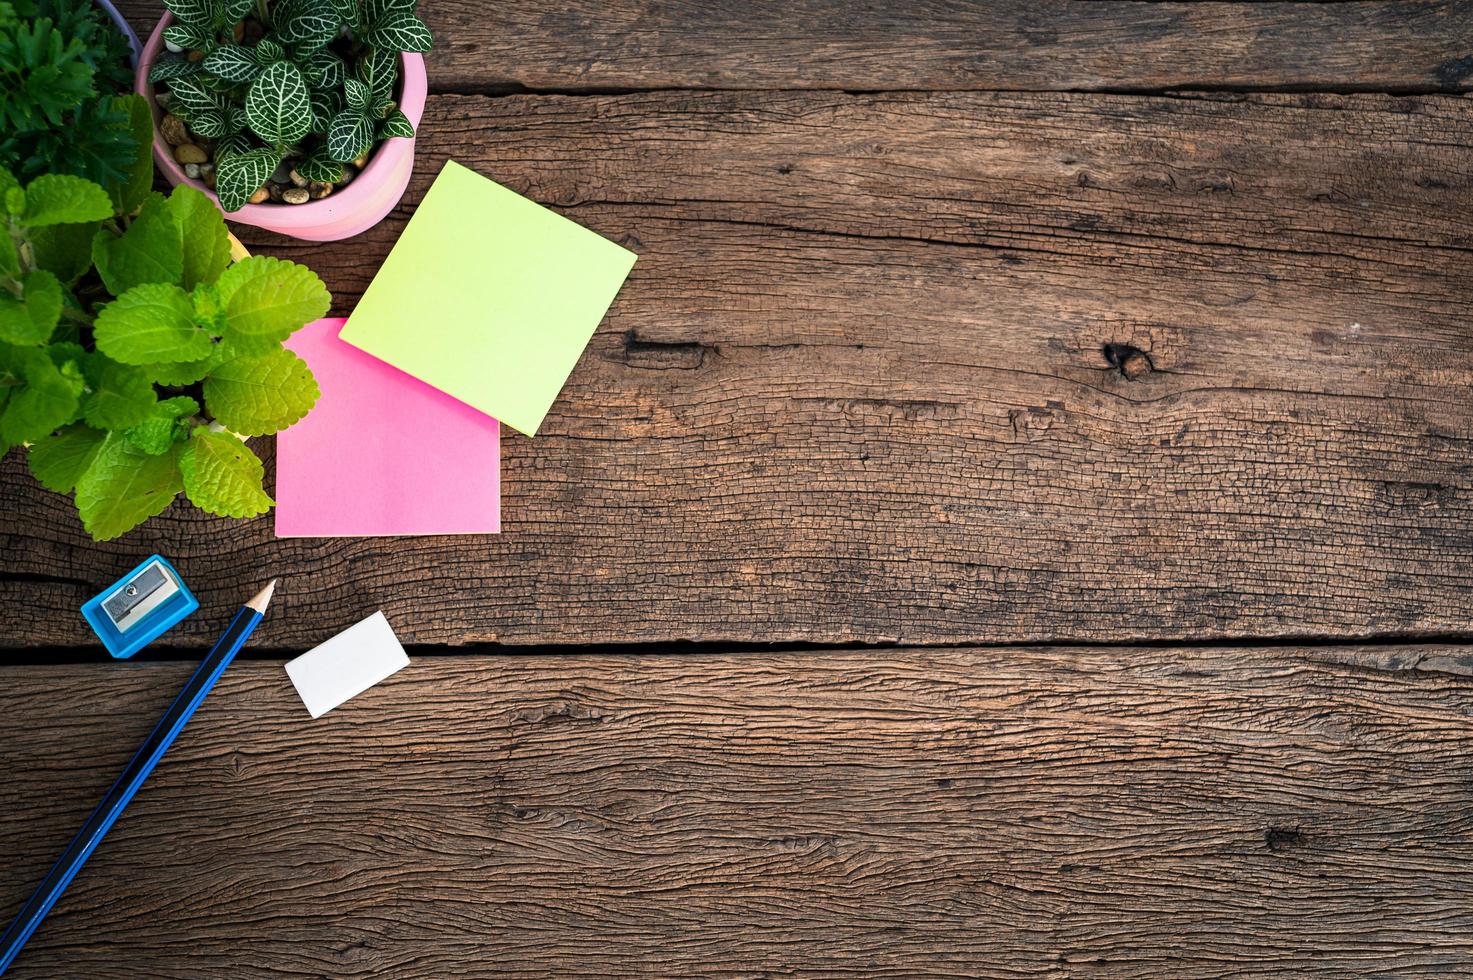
263 598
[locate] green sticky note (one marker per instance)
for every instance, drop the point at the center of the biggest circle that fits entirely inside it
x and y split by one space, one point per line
489 297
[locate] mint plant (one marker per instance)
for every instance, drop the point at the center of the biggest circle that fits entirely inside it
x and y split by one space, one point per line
62 67
306 83
134 355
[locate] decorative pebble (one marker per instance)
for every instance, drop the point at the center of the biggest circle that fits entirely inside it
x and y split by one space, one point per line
319 191
348 174
195 56
297 178
175 48
296 195
189 153
282 174
274 189
191 170
209 179
174 130
164 99
261 196
361 162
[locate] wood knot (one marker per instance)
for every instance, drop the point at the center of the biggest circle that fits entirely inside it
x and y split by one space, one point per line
1132 362
1282 838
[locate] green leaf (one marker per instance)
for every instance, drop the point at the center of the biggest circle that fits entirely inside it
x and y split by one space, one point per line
121 396
151 324
130 192
64 250
320 167
148 252
222 476
182 373
277 109
9 257
58 461
42 397
168 423
257 395
349 136
124 487
232 62
166 70
396 124
240 175
266 299
61 199
398 31
198 12
204 239
30 321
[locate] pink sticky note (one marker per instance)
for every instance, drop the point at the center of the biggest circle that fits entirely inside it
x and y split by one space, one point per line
382 452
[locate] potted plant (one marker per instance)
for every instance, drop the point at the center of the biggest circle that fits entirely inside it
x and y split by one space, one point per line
63 68
135 357
297 115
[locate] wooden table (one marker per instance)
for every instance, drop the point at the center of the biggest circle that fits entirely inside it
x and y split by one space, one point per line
1016 521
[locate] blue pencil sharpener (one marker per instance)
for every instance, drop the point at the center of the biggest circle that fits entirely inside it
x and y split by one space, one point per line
139 607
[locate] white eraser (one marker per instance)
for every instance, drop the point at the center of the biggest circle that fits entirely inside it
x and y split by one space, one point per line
347 665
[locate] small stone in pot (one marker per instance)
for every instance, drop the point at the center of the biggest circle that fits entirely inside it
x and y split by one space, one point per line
189 153
174 131
296 195
261 196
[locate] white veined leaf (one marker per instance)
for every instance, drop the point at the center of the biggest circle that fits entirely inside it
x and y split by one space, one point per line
163 71
357 94
376 10
399 31
193 96
379 69
310 29
323 70
196 12
396 124
209 124
277 106
239 175
232 62
190 37
233 11
236 142
320 167
349 136
268 51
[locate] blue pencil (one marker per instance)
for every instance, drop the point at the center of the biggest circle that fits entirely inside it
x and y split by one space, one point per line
111 807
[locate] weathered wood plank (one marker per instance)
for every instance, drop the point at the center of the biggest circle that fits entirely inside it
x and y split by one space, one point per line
941 44
1099 813
857 387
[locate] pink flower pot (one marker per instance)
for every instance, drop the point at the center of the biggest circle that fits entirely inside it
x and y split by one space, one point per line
342 214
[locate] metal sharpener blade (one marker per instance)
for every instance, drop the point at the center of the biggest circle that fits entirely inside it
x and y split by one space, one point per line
140 595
